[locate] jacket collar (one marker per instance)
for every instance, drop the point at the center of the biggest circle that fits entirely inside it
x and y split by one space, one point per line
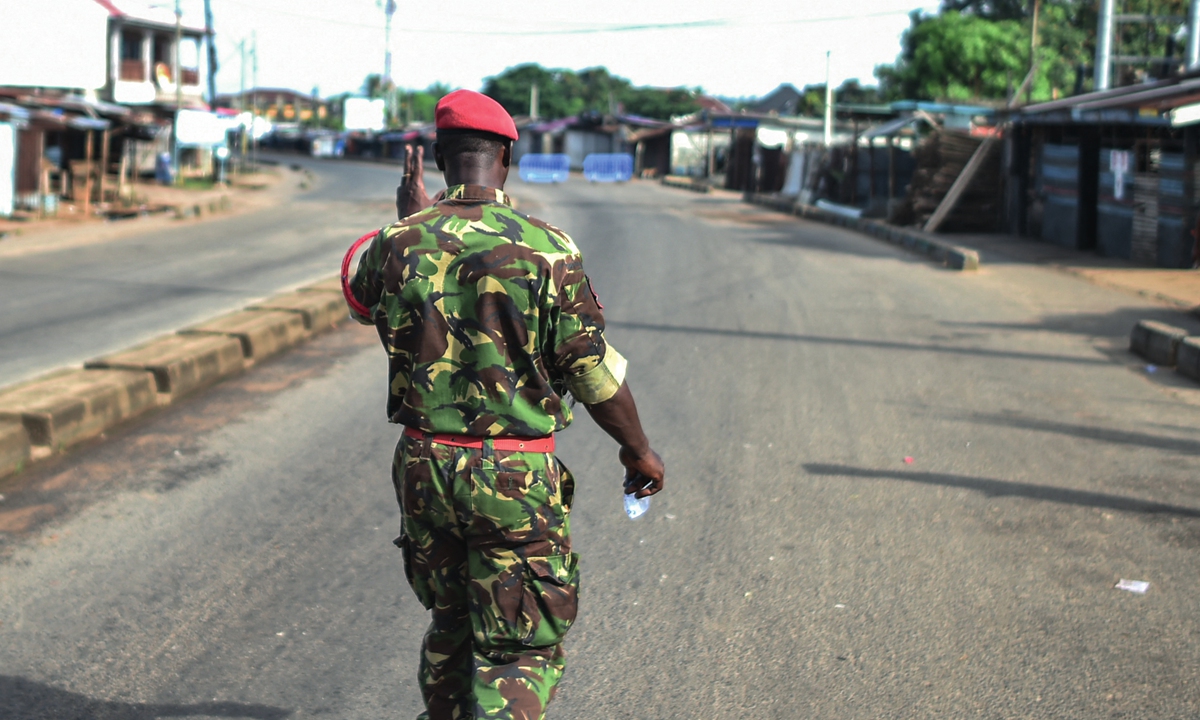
476 193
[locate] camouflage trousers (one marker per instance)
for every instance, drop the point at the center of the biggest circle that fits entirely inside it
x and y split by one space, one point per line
487 548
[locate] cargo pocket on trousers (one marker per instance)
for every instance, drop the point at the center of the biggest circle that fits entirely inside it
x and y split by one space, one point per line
551 599
416 571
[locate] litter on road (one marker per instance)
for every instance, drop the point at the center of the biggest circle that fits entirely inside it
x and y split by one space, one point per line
1134 586
908 460
1151 369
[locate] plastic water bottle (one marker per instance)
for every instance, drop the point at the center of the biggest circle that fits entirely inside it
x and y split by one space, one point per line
635 507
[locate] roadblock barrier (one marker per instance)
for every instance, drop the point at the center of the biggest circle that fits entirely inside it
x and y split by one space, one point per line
608 167
1157 342
545 167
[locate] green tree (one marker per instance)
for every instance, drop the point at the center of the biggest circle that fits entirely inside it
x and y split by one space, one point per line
953 56
563 93
659 103
419 105
557 90
851 92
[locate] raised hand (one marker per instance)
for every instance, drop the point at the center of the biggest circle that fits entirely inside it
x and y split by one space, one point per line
410 194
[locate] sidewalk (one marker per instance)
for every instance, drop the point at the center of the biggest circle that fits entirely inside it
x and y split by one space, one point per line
1177 288
157 205
1180 288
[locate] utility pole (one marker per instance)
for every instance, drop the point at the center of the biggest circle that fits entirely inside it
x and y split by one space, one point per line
1037 4
533 99
175 76
828 104
1104 46
1193 46
389 10
386 82
242 103
254 99
212 53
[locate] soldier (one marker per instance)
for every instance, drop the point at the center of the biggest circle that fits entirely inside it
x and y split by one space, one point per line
489 322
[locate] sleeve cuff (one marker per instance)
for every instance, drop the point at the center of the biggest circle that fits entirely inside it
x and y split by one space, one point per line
601 382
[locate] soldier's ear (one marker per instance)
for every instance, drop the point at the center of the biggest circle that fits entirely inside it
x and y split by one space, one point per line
439 158
506 154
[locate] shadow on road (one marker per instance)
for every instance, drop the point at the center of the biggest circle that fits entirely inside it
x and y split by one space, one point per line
857 342
1090 432
1116 323
30 700
1006 488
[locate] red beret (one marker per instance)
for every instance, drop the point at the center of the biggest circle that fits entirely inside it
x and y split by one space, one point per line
469 110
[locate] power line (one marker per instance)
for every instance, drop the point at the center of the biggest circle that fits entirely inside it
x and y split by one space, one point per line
592 30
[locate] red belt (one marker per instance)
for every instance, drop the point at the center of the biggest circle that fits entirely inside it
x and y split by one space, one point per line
507 444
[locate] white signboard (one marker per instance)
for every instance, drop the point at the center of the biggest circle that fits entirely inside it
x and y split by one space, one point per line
198 128
364 114
1118 163
1185 115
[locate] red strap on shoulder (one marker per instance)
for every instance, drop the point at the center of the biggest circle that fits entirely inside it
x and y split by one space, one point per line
350 299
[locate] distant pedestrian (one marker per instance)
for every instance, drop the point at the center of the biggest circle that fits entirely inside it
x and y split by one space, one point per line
489 322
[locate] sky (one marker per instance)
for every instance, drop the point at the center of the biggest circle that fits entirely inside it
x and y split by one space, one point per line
733 49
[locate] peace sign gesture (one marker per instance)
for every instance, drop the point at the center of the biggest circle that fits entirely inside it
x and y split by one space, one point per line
410 194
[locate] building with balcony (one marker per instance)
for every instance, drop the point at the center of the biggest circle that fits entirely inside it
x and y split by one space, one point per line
141 59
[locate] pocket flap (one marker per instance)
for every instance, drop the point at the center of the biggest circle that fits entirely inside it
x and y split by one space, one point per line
555 569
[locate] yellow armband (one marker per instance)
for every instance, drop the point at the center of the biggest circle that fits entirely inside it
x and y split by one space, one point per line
601 382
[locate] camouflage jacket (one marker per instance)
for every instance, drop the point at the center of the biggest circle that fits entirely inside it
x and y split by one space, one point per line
487 319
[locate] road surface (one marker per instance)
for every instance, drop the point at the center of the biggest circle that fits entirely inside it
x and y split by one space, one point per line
894 491
66 306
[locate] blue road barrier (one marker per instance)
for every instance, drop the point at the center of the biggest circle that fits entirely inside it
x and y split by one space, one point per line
545 168
608 167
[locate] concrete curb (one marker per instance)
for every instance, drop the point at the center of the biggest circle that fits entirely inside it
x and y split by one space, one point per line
950 255
263 333
180 363
1156 342
50 413
686 183
70 406
1188 358
212 207
15 449
318 309
1168 346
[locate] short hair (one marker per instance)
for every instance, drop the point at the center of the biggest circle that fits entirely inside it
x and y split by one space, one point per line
455 143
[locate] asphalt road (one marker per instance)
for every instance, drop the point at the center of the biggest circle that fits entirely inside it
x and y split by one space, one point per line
895 491
66 306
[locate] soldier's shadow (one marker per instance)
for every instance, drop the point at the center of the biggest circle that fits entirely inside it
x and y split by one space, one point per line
31 700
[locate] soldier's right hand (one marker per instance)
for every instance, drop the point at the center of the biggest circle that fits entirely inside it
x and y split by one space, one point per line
410 195
647 470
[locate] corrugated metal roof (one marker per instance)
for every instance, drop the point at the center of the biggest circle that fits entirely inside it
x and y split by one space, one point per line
1070 102
15 111
1159 97
893 126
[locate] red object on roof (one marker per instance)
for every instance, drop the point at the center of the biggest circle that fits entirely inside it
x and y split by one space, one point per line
112 9
469 110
